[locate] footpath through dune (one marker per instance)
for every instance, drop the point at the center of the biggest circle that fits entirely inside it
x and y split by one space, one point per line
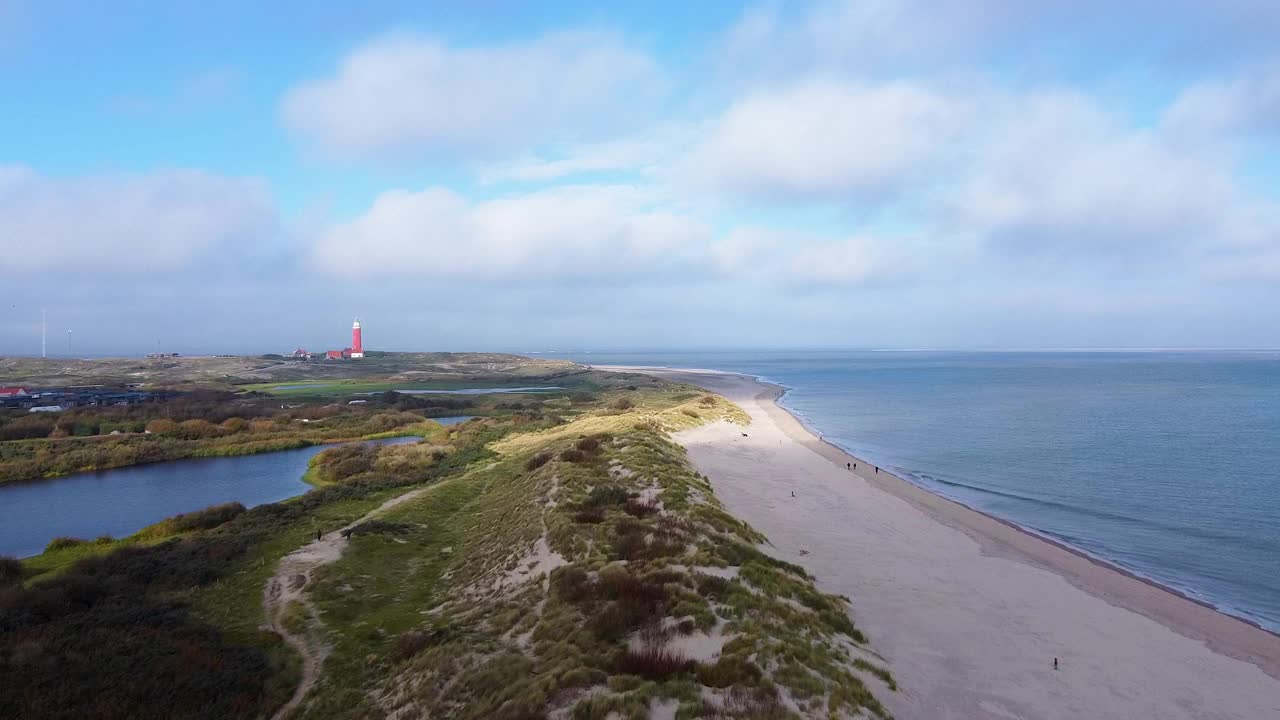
289 584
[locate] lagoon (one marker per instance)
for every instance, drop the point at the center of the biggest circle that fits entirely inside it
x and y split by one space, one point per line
124 500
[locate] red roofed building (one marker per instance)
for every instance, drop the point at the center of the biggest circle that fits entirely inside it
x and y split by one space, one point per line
14 392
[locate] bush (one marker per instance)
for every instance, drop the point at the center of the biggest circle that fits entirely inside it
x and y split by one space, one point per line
622 403
729 670
637 508
537 461
162 426
573 456
606 495
589 445
712 586
653 663
61 542
589 516
572 583
208 518
413 642
11 570
690 412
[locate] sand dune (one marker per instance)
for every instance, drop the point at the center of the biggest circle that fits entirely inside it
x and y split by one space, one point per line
970 612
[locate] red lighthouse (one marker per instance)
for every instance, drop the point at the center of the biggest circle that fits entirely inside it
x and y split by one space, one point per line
357 348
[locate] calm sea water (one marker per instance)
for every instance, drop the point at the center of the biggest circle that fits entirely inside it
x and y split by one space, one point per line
1167 464
122 501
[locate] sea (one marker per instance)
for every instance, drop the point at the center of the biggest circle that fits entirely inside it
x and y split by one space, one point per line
1166 464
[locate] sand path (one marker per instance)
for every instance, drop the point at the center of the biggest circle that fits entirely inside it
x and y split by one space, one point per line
289 584
969 611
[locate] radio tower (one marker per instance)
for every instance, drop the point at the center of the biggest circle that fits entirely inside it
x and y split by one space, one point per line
44 331
357 348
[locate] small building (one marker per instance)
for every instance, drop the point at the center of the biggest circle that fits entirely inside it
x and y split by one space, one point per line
14 393
46 408
334 355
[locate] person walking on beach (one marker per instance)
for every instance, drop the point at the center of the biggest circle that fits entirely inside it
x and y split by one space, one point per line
318 534
849 465
1055 663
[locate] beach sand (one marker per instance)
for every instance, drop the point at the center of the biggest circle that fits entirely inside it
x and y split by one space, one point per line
970 611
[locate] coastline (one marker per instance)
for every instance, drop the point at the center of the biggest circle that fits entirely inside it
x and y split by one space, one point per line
892 477
1227 641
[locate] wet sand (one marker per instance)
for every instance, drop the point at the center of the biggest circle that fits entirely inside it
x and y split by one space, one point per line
970 611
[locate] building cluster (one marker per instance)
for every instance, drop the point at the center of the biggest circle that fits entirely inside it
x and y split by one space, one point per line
355 352
57 399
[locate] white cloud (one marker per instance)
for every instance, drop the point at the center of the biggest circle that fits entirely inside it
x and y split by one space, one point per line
1058 174
823 139
415 94
598 233
1246 103
805 260
860 36
162 221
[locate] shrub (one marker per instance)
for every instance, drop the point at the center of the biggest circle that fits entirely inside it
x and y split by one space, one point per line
707 400
235 424
604 495
11 570
712 586
589 444
197 430
589 516
638 508
537 461
690 412
210 517
413 642
630 602
61 542
573 455
572 584
654 663
162 426
729 670
622 403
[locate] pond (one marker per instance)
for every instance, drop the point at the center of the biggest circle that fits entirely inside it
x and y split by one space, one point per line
122 501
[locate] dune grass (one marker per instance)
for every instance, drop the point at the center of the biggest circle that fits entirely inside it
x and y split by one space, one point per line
552 579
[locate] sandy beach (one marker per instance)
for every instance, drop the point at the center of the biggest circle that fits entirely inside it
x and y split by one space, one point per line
970 611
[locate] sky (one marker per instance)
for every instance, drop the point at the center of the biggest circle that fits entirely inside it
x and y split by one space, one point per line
247 177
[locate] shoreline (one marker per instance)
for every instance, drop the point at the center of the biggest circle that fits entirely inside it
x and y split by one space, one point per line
776 391
1010 582
1031 532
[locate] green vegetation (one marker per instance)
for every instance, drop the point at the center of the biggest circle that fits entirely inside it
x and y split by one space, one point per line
461 618
557 559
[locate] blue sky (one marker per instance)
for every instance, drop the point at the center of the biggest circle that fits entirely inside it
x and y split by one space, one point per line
246 177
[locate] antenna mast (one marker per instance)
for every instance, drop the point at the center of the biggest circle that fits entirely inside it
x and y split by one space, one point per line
44 328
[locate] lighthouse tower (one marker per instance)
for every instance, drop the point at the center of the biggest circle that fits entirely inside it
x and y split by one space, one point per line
357 348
